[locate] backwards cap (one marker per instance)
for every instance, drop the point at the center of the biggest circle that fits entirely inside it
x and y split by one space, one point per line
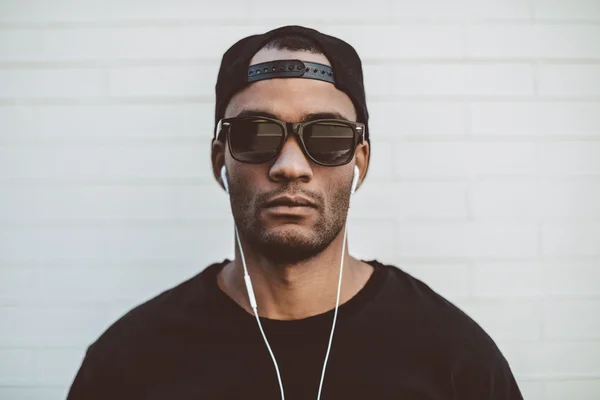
345 63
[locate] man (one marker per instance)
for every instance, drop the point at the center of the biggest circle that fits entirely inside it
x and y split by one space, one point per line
293 315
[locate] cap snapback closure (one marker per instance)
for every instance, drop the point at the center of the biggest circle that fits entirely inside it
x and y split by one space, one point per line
290 69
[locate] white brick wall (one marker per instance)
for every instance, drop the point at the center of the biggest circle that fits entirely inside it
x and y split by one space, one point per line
485 177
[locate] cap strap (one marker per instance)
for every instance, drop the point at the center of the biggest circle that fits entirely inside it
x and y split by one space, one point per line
290 69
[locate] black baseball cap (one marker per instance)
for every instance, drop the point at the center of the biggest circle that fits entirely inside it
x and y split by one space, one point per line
345 64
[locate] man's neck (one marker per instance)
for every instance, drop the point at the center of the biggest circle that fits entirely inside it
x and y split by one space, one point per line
296 291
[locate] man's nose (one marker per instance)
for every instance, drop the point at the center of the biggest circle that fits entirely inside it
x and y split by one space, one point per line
291 163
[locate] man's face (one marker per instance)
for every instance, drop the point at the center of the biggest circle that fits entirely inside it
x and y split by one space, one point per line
284 233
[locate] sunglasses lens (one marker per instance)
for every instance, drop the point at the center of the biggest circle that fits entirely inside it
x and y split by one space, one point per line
254 140
330 143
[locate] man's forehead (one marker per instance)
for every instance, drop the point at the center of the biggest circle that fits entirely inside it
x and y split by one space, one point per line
291 99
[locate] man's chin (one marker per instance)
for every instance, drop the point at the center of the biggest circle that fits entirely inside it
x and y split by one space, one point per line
289 235
288 244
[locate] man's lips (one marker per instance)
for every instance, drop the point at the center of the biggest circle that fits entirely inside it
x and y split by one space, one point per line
290 201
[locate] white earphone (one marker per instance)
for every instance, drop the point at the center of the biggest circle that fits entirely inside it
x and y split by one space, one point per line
252 297
224 179
355 179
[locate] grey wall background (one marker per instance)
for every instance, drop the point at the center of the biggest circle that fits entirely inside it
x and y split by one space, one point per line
485 179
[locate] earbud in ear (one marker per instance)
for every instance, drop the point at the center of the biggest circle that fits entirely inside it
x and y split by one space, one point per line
224 179
355 179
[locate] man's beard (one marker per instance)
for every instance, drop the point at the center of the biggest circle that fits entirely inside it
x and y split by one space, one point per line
287 248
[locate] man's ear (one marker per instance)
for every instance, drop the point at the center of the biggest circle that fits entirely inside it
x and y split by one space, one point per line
362 160
217 157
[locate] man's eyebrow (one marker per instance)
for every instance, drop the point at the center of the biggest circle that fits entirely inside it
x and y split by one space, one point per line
305 117
323 115
256 113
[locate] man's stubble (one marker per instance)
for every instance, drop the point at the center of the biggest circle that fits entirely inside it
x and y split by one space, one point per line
290 247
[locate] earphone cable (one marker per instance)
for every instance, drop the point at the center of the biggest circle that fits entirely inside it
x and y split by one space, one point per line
254 307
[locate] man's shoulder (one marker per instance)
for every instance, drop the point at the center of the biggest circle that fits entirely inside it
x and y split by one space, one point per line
173 303
129 349
436 329
435 319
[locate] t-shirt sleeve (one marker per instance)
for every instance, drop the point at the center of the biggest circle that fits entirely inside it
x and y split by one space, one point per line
484 377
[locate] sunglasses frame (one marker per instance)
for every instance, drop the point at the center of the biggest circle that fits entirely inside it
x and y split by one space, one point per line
296 129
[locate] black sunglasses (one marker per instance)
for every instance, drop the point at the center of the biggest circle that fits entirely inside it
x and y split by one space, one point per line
256 140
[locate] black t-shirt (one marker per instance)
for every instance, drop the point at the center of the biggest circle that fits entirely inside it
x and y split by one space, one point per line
395 339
